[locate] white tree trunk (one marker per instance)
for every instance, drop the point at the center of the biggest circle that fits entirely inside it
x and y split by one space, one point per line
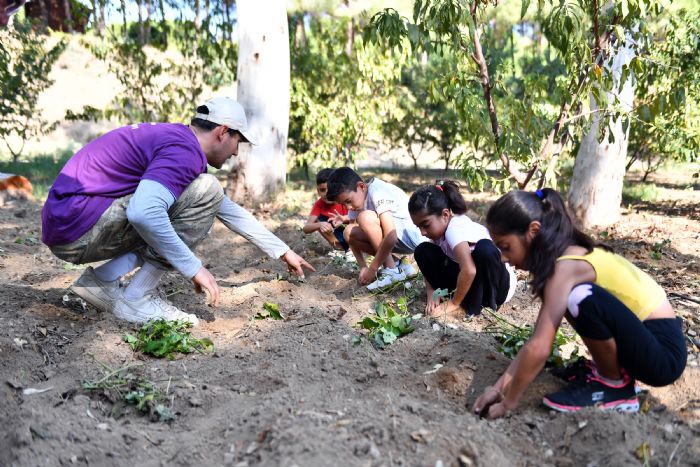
259 172
595 194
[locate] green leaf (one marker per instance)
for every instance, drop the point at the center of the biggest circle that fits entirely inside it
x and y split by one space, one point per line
273 310
523 8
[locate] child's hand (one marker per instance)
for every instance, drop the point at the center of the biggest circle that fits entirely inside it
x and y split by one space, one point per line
336 219
326 227
488 401
366 276
446 308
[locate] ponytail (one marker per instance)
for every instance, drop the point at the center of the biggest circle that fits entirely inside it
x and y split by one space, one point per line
513 213
432 199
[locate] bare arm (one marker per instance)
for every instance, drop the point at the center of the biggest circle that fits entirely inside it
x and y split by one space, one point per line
467 272
505 394
389 239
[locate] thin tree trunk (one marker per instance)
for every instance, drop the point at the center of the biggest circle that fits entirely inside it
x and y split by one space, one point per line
197 15
263 89
142 32
163 23
122 3
147 27
102 22
69 17
44 15
349 37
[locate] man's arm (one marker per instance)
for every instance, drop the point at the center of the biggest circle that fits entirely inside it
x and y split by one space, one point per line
148 213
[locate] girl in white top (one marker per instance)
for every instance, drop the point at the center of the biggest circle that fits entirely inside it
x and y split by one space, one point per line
460 256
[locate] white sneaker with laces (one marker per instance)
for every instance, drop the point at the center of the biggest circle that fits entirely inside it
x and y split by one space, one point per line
96 292
387 277
406 268
149 307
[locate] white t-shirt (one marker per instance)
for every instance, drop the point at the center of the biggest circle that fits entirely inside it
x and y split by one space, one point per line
383 197
462 229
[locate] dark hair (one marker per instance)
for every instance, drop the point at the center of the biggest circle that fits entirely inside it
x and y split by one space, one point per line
340 180
208 126
513 213
322 175
434 198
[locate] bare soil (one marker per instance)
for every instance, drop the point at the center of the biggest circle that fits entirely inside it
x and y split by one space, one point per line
298 391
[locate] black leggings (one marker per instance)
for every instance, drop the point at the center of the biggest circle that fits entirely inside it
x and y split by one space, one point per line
490 285
652 351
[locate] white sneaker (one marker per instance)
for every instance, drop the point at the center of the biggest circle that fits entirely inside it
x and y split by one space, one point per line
147 308
387 277
349 257
97 293
406 268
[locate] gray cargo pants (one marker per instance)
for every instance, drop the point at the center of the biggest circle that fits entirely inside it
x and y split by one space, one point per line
192 216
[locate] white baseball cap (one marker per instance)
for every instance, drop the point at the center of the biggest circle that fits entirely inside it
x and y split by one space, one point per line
227 111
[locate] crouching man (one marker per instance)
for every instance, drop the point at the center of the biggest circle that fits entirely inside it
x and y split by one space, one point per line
139 196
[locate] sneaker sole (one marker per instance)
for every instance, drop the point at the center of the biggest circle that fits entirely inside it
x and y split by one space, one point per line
627 405
91 298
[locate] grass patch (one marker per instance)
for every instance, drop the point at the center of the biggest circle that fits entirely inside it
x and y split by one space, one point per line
41 170
640 192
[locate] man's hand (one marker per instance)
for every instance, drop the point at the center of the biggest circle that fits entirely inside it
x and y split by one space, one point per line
325 227
367 275
203 280
295 263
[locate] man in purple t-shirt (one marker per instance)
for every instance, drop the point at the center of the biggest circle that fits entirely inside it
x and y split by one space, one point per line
139 196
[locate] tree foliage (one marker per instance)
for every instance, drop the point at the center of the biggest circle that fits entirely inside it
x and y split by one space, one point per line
25 64
337 98
515 121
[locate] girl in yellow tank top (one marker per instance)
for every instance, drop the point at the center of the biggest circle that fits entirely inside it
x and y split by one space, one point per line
620 312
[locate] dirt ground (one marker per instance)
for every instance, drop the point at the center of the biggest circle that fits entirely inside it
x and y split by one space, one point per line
298 392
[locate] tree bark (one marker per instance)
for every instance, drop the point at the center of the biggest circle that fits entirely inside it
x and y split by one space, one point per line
69 17
595 194
259 172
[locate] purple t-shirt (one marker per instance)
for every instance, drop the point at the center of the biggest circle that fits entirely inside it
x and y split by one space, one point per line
111 167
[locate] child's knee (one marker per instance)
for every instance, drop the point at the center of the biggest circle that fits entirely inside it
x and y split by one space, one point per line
366 218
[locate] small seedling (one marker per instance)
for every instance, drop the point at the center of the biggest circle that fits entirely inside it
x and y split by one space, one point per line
124 386
512 337
657 249
389 323
162 338
643 453
270 310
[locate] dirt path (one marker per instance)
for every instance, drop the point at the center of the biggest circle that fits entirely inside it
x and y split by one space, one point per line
298 392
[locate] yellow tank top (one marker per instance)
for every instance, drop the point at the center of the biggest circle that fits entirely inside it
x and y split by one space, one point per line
629 284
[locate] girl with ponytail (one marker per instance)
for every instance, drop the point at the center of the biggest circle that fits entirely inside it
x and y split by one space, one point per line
620 312
460 256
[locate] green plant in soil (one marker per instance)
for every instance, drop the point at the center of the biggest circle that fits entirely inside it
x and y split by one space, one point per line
389 323
162 338
123 386
512 337
270 310
658 248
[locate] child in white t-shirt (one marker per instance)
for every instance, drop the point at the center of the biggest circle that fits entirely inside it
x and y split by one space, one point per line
460 256
383 226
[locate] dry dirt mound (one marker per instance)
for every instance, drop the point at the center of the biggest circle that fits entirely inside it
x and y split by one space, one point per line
298 391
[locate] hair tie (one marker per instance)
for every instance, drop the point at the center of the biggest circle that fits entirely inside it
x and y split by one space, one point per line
439 187
539 194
